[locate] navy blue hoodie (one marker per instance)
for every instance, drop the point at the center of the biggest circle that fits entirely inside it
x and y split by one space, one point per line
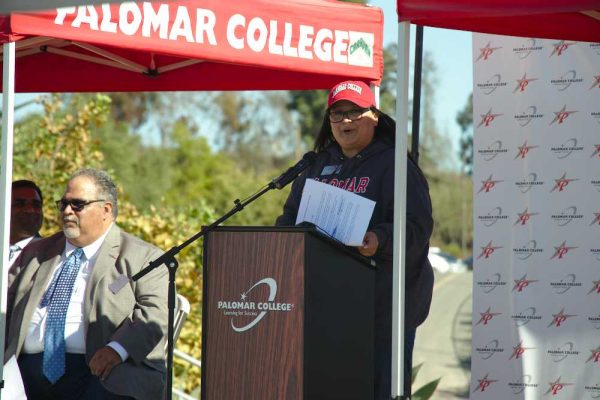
370 174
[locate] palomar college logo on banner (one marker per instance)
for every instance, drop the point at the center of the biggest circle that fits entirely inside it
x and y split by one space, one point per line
567 148
561 47
566 80
519 350
252 312
561 115
523 83
529 114
524 217
563 352
492 217
488 184
484 383
562 250
526 316
527 250
524 50
490 85
492 151
556 387
488 250
488 118
528 182
522 283
487 316
490 349
491 283
566 216
594 391
566 283
561 183
595 356
524 150
518 387
560 318
486 52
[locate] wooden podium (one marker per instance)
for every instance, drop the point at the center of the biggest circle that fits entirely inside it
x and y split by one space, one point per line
287 314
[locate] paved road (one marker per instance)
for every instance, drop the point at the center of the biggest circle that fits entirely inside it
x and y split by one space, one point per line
443 342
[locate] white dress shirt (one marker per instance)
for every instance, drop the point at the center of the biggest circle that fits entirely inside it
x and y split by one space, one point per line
16 253
74 322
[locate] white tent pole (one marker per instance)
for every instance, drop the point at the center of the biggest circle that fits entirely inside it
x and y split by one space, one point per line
400 209
8 110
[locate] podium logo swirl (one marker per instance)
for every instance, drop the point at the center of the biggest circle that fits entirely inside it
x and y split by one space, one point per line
248 309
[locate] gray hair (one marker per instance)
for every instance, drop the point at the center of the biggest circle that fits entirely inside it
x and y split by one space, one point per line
104 185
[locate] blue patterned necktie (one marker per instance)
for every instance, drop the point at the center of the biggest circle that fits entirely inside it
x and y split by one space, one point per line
12 250
57 299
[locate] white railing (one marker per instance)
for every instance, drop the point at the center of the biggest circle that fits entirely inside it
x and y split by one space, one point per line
191 360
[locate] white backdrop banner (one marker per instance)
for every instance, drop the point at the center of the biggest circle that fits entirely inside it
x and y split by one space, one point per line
536 177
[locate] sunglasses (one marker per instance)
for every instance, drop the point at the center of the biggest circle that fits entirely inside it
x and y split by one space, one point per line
76 204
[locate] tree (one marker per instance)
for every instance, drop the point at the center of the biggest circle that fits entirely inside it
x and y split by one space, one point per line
464 119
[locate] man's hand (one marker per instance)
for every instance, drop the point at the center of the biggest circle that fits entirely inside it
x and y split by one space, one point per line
370 245
103 361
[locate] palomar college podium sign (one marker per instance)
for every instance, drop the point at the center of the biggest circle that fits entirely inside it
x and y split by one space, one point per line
286 315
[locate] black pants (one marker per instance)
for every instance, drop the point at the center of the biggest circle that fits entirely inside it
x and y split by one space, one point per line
77 383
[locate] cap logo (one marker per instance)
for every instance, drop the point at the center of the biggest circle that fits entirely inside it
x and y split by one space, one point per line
344 86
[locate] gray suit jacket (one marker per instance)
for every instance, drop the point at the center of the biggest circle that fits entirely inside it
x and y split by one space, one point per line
135 317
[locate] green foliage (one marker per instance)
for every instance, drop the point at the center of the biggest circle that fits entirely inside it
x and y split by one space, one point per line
426 391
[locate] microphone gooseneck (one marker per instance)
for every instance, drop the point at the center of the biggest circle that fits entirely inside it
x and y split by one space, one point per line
282 180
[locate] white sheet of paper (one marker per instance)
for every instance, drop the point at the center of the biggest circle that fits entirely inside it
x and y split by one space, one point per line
341 214
13 383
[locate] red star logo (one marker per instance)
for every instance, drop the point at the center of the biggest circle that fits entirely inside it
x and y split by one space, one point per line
488 118
523 83
562 182
487 250
561 115
524 150
595 357
596 219
522 283
556 387
488 184
484 383
560 318
596 151
518 351
486 317
561 47
524 217
596 82
486 52
562 250
595 288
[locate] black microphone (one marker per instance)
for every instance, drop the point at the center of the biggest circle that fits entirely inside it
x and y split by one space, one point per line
294 171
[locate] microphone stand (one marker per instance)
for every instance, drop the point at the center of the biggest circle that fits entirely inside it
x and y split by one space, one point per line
169 260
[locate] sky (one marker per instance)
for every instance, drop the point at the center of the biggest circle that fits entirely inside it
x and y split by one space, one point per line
452 54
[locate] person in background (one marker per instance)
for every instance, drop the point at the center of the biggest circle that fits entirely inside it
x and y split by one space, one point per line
75 333
355 151
26 216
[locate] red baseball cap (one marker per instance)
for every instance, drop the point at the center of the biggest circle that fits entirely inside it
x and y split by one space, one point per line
357 92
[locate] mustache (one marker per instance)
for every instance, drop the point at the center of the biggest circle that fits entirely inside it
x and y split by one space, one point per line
71 218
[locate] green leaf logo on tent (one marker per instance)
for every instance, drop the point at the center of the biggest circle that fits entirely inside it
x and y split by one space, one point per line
360 44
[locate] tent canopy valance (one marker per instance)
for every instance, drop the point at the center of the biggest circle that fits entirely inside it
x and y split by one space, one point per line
551 19
195 45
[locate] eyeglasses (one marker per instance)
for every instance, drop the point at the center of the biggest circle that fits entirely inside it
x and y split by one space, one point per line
353 114
76 204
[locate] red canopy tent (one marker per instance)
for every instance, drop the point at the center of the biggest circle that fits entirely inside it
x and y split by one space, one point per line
551 19
180 45
195 45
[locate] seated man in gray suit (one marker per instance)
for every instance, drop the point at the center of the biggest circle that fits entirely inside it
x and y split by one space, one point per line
74 334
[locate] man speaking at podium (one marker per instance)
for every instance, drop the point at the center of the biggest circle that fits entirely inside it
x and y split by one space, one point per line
356 145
